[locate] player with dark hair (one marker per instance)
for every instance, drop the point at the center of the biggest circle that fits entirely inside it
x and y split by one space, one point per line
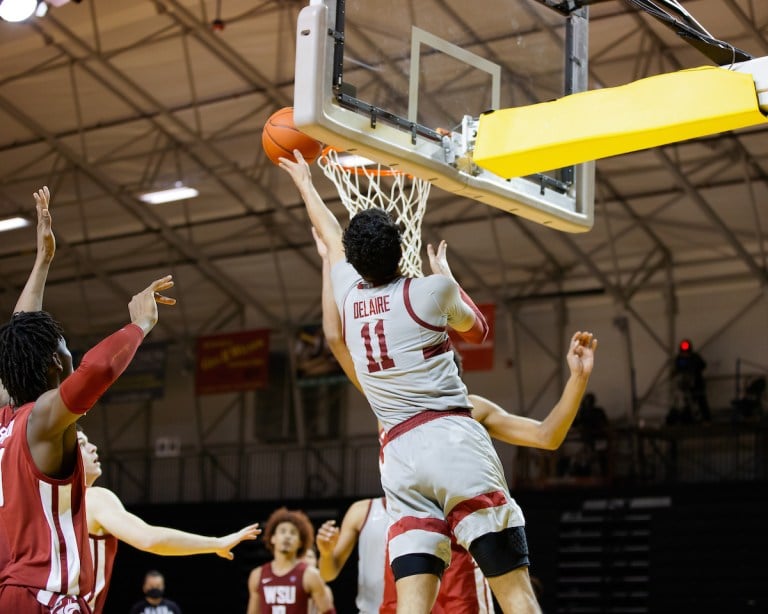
440 472
513 585
42 494
286 585
109 521
372 246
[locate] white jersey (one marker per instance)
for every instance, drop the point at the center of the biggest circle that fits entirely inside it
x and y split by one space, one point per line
396 334
372 554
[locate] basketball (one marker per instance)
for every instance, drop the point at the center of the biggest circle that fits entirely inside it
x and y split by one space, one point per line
280 137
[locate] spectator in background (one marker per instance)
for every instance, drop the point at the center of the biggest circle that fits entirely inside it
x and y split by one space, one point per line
688 372
592 424
154 601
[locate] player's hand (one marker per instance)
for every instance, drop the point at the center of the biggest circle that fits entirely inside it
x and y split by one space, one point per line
46 242
143 306
252 531
322 248
581 354
327 536
438 260
299 170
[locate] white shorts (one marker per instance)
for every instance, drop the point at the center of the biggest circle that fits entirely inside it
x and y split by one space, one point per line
441 475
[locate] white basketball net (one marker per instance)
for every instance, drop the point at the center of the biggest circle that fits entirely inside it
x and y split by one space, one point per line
361 188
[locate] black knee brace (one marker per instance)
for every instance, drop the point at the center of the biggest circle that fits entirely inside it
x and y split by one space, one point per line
500 553
417 563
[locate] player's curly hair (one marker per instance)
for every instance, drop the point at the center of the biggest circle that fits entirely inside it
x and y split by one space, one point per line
27 345
299 520
372 244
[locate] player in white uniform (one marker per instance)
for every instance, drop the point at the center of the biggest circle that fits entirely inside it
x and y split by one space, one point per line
440 472
366 523
463 590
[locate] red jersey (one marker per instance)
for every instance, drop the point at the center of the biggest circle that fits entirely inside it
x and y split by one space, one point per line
42 520
283 594
103 552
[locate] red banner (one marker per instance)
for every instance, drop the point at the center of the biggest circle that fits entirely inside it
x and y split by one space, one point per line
478 357
232 362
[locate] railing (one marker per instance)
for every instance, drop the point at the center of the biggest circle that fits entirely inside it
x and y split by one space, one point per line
224 473
695 453
733 452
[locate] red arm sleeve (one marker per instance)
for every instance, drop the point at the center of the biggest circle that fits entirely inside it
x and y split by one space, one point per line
100 367
479 330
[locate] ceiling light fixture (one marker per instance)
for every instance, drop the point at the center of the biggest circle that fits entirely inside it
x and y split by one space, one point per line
17 10
180 192
12 223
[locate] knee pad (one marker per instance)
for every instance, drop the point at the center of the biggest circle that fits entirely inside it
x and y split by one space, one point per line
417 563
501 552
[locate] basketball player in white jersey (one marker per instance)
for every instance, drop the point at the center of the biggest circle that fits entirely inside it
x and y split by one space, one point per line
365 523
468 594
440 472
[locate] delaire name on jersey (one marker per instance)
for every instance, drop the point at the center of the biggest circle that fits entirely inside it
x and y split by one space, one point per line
370 307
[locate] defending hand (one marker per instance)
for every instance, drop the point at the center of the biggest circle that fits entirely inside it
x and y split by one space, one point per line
228 542
438 260
143 306
327 536
581 354
46 242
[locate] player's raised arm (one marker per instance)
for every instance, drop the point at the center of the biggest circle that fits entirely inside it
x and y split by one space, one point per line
549 433
335 545
60 407
31 298
320 215
332 331
463 315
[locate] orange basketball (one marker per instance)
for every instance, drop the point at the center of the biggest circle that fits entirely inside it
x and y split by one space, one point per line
280 137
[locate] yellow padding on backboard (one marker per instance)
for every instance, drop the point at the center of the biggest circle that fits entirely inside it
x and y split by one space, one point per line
600 123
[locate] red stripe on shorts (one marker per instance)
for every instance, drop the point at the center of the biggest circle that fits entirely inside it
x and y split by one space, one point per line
475 504
418 419
413 523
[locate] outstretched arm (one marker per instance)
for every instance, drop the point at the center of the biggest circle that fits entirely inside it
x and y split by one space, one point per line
550 432
331 319
466 319
334 545
31 298
106 509
320 215
59 408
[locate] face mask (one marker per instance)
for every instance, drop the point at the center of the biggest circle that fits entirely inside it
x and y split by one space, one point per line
154 593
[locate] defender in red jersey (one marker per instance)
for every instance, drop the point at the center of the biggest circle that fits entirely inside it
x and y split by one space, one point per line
287 585
109 521
42 485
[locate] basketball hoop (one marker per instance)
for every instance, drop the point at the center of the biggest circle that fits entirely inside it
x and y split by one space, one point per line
404 197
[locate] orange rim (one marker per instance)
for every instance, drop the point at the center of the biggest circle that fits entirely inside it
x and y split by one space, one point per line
377 169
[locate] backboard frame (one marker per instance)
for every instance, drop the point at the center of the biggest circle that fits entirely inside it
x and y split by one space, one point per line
325 109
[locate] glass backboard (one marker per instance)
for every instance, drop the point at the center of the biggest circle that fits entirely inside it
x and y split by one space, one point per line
403 83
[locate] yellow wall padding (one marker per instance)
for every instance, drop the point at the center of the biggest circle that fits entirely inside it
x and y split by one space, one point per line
600 123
